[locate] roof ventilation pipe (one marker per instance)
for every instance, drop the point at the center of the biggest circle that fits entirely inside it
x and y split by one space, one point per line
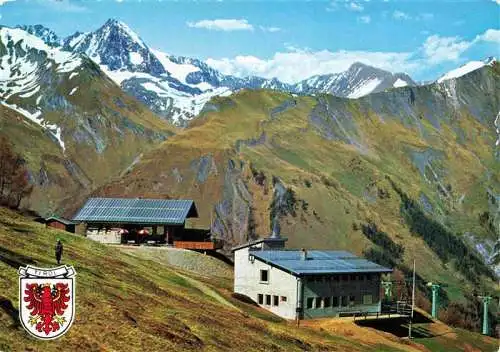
303 254
276 229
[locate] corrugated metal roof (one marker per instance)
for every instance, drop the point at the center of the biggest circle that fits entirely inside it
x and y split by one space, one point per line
318 262
135 210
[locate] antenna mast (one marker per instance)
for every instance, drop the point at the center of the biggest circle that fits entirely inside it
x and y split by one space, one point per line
412 302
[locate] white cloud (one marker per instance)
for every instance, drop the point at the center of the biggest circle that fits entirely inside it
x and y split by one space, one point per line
297 64
403 16
119 0
270 29
365 19
440 49
497 1
491 35
353 6
400 15
4 2
223 25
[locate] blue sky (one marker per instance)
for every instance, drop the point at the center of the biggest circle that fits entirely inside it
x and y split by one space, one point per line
291 40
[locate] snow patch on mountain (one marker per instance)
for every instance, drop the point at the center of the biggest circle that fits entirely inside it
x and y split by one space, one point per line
365 88
66 61
462 70
46 34
35 117
19 71
24 67
73 91
76 39
30 93
400 83
178 71
135 58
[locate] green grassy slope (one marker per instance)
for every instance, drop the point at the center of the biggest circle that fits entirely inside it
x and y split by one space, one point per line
418 164
137 302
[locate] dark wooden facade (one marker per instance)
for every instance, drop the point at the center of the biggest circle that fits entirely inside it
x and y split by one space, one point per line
58 223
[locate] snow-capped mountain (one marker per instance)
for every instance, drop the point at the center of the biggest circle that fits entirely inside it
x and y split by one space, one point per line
44 33
27 65
465 69
172 87
177 87
357 81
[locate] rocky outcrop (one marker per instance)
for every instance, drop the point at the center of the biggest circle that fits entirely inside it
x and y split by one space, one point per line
233 214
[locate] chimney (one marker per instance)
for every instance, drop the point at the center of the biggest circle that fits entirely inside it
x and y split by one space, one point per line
303 254
276 229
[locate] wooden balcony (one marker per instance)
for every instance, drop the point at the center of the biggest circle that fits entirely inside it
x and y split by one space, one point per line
199 245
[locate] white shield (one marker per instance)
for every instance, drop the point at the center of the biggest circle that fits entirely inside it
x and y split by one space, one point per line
47 300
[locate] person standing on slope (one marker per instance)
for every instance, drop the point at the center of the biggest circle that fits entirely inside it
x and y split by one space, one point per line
59 251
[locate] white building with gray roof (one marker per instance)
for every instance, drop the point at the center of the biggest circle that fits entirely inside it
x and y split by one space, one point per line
301 284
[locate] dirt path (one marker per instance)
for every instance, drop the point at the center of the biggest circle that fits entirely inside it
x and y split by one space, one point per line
208 291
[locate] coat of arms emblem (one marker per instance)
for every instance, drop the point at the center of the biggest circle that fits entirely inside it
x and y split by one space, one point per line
47 300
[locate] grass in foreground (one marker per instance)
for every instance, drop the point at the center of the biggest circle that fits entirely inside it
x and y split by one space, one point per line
128 303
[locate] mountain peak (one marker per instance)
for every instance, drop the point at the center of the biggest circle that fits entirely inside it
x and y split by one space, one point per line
358 64
466 68
358 67
122 28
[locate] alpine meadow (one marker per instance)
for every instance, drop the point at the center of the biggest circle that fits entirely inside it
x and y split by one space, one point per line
180 165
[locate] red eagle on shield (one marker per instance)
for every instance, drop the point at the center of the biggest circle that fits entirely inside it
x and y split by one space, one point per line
47 300
47 304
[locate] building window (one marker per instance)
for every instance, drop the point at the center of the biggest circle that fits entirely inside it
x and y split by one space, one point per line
353 277
317 303
351 300
310 302
336 278
368 277
345 301
345 277
318 279
283 298
268 300
275 300
260 298
335 301
326 302
264 276
367 299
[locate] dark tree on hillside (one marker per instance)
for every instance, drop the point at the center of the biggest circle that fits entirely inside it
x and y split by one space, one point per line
14 184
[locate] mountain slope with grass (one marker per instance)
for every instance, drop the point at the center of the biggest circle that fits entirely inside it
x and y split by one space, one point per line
137 302
411 173
69 122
